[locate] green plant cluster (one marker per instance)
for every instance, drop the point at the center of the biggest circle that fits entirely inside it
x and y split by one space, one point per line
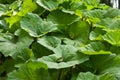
59 40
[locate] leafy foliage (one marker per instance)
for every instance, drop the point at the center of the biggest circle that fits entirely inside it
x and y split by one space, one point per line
59 40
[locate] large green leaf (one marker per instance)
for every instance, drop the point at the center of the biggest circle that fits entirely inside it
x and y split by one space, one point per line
97 34
48 4
94 13
79 30
92 2
23 56
63 18
111 13
30 71
106 63
12 44
75 42
91 76
86 76
78 6
35 26
95 48
49 42
65 56
108 23
115 49
112 37
39 50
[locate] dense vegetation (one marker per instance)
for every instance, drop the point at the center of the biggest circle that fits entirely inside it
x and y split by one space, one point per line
59 40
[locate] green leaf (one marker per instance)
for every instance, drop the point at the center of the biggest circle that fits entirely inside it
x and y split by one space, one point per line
4 66
3 25
75 42
63 18
94 13
49 42
97 34
95 48
39 50
12 44
12 20
108 76
27 6
112 37
115 49
30 71
48 4
78 6
3 9
108 23
92 2
111 13
106 63
87 76
35 26
91 76
23 56
15 5
79 30
65 56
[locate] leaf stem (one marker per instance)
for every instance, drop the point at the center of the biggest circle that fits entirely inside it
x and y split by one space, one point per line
60 74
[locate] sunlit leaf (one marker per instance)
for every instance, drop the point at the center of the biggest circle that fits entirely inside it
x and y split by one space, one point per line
48 4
